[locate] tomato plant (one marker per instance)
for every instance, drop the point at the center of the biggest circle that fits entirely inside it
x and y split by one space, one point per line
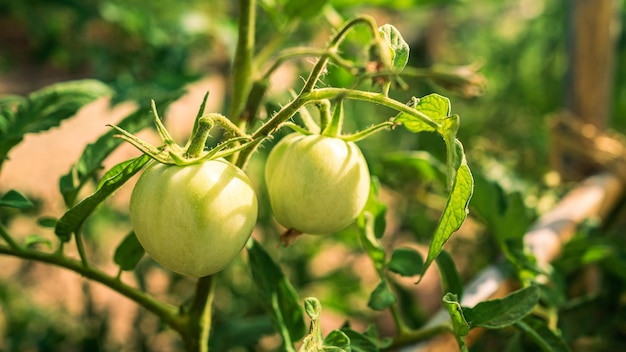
316 184
193 208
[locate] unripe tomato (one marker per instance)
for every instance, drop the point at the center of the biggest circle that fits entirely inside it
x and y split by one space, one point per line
316 184
195 219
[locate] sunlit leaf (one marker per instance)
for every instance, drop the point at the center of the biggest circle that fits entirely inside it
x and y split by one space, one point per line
94 154
397 45
46 108
338 341
71 221
454 213
34 240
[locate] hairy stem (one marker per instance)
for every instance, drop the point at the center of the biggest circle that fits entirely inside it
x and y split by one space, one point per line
199 138
242 65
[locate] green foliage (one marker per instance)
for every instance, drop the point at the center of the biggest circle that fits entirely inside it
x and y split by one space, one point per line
44 109
280 296
421 186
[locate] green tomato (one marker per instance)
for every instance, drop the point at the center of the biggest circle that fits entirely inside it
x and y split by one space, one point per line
316 184
195 219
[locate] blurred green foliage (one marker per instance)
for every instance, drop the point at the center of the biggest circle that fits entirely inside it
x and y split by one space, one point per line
146 49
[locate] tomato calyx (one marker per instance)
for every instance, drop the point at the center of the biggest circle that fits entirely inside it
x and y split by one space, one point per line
288 237
170 153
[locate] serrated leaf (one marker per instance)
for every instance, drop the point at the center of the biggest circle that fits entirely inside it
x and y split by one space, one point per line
14 199
129 252
71 221
460 327
450 278
436 107
406 262
277 291
47 108
398 46
454 213
382 297
499 313
94 154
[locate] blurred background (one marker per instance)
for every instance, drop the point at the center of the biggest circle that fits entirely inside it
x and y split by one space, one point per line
515 51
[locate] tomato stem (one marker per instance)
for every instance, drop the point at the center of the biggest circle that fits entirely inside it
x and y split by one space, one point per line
198 140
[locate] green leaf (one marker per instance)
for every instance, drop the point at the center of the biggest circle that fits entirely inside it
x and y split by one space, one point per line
360 342
370 243
46 108
295 9
278 292
454 213
460 326
14 199
406 262
337 340
34 240
312 307
450 278
434 106
376 208
382 297
47 222
94 154
129 252
542 335
397 45
71 221
499 313
420 164
506 216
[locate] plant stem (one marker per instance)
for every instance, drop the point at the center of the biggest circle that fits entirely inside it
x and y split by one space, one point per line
242 65
198 318
10 241
198 140
412 336
80 245
165 312
333 47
